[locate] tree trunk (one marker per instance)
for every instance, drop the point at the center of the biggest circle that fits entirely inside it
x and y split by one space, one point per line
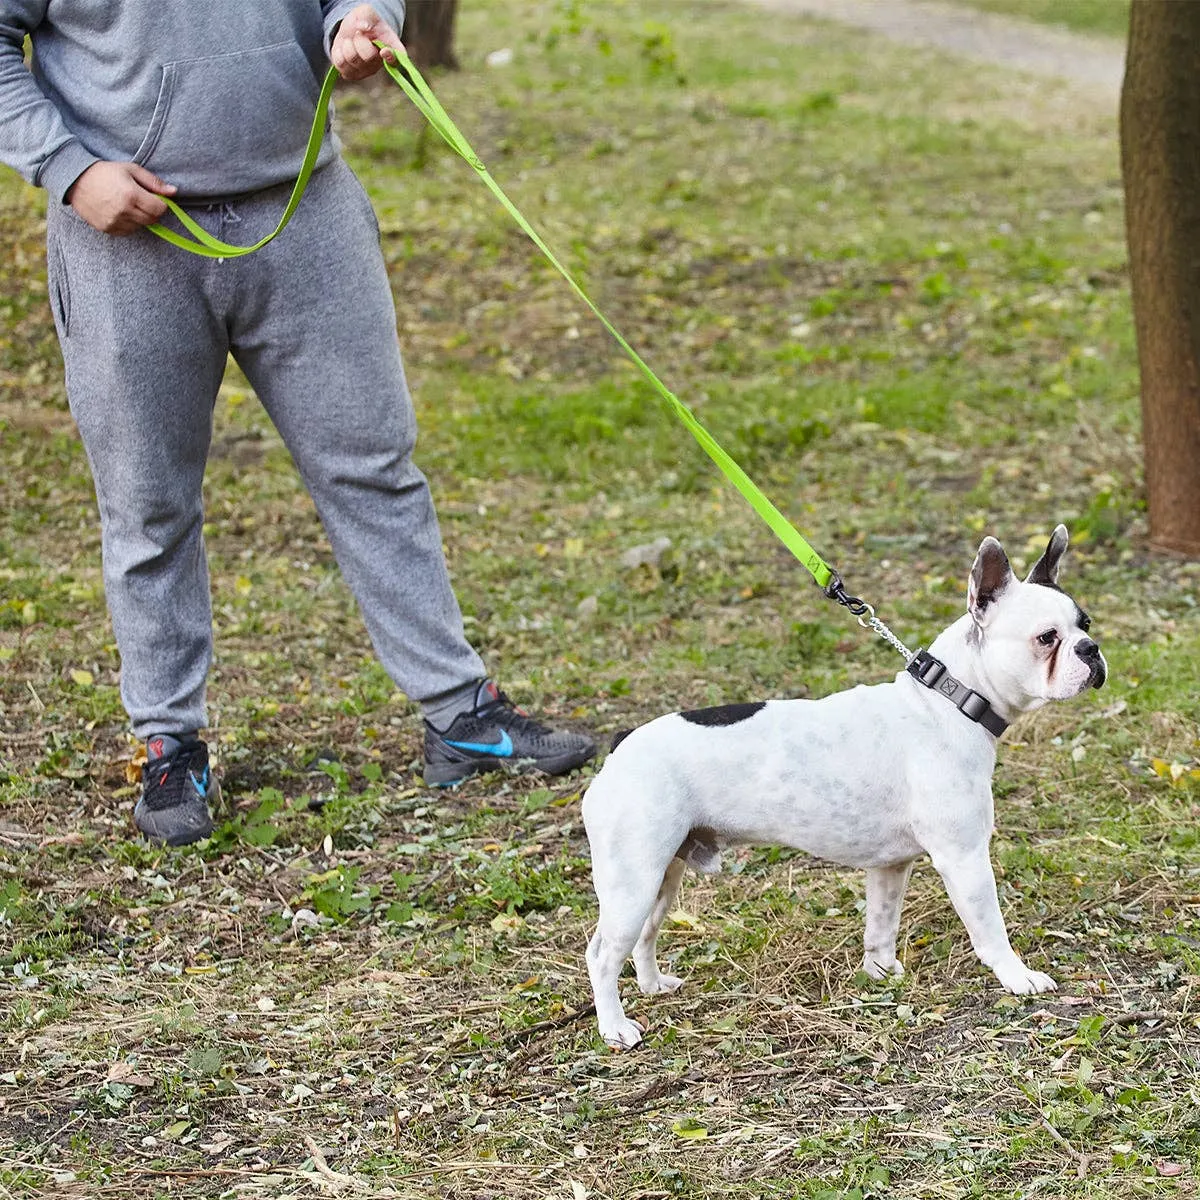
428 33
1160 164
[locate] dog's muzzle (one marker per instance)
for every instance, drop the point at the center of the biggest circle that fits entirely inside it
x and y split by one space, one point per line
1089 651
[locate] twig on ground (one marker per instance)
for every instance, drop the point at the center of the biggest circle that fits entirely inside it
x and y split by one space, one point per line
567 1018
322 1168
1081 1160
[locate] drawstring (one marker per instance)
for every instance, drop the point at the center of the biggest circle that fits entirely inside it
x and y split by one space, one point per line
226 215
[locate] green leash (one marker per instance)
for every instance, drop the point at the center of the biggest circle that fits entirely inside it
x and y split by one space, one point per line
418 91
210 247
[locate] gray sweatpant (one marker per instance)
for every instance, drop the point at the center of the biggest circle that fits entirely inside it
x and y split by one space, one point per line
145 331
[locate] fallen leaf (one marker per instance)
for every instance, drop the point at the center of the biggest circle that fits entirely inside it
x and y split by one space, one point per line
680 919
126 1072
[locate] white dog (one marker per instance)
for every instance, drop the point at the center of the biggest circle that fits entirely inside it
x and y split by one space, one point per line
872 777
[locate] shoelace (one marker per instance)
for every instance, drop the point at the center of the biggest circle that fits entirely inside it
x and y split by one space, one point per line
503 709
172 777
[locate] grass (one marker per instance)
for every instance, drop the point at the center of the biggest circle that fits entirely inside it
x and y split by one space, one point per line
895 287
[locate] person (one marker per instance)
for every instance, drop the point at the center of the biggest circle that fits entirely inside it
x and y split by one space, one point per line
212 105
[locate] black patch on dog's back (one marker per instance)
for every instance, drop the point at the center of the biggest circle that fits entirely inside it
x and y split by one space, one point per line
618 738
723 714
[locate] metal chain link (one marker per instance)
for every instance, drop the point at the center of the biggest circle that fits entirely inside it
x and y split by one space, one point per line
836 590
888 636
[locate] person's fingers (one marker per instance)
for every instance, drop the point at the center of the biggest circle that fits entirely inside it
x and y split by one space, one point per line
381 31
338 51
352 49
145 207
390 52
138 202
347 59
365 57
354 52
116 197
148 180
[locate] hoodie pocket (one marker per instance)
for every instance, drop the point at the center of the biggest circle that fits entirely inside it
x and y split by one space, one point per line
232 122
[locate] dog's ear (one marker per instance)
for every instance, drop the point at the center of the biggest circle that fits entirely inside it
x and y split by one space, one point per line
1045 570
990 575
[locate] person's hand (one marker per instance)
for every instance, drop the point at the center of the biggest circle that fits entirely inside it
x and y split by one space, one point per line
354 52
119 197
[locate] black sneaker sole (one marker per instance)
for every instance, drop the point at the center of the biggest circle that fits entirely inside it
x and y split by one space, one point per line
447 774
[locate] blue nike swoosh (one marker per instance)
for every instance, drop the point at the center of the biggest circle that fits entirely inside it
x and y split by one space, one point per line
501 749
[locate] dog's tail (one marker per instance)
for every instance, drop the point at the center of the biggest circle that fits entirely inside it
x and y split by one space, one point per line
618 738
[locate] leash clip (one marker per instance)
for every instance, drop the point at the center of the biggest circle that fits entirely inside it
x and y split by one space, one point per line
835 589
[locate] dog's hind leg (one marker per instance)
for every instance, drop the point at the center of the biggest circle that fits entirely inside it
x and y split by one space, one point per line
623 911
650 978
885 893
606 955
626 900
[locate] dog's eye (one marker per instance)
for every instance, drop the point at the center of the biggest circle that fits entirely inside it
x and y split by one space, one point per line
1085 622
1048 638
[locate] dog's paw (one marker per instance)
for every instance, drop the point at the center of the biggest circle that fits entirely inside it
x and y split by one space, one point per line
623 1035
1020 980
878 970
660 983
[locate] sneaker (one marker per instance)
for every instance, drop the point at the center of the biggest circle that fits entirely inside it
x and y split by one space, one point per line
177 791
496 735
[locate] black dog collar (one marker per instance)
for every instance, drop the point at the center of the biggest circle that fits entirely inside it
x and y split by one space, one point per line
931 672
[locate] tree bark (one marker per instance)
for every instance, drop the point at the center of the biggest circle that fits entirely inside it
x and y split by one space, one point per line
1160 165
428 33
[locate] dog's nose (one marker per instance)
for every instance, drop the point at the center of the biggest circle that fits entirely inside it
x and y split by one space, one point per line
1089 651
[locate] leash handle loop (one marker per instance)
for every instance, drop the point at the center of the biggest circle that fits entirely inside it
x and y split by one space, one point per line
203 243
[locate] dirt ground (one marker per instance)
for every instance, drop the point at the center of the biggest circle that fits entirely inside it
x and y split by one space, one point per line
1093 65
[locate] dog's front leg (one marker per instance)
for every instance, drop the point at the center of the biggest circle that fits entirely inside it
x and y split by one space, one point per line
885 894
972 888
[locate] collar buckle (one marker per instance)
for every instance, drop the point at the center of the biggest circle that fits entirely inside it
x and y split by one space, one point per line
932 673
926 669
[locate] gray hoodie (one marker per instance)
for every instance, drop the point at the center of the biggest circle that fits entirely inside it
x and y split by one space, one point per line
214 96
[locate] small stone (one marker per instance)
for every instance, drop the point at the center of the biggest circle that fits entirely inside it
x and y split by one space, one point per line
649 554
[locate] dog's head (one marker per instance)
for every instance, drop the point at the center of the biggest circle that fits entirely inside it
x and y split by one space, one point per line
1032 637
